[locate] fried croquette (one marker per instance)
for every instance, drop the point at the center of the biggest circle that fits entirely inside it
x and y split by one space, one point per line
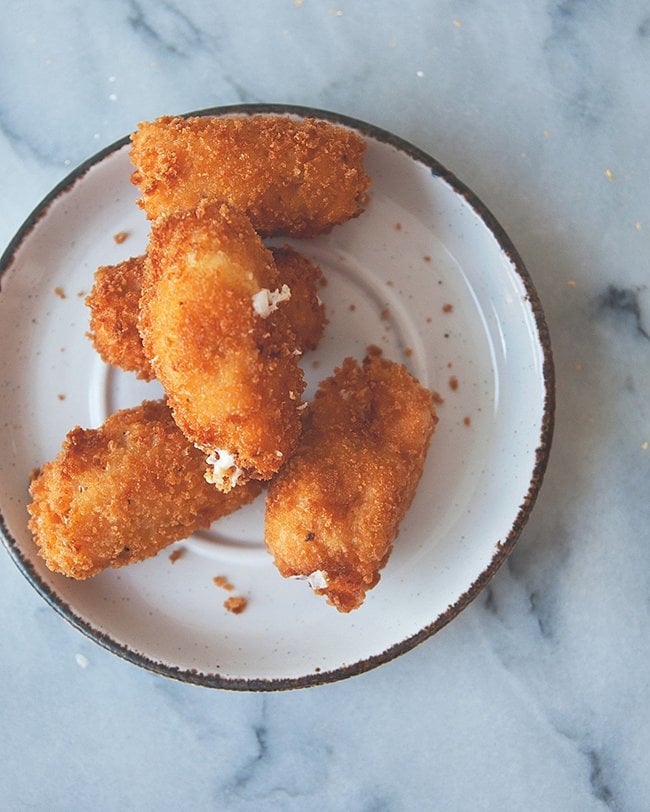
293 177
334 510
121 493
304 310
114 304
231 377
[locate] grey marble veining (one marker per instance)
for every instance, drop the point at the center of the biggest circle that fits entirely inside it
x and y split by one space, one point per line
538 696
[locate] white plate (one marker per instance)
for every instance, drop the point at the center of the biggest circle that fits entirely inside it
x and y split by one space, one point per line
424 242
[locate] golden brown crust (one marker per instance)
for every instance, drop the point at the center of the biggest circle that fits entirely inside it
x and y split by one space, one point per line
294 177
231 376
304 311
121 493
114 304
337 504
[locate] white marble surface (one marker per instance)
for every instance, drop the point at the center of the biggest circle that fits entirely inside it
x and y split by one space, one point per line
538 696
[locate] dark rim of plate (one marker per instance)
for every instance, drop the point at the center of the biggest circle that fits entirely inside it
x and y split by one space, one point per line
503 547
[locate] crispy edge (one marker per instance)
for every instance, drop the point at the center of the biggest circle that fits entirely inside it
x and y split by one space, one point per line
114 304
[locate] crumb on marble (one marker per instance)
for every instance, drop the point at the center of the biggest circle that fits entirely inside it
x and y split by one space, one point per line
352 308
571 283
467 421
637 225
448 308
61 396
398 226
81 293
235 604
609 175
315 364
547 133
385 314
453 383
179 552
457 23
408 352
222 582
437 397
426 258
429 319
120 237
645 445
58 291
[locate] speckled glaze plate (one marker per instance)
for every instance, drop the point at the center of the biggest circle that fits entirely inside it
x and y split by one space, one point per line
428 275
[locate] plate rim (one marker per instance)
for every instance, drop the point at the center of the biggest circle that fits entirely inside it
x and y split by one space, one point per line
503 547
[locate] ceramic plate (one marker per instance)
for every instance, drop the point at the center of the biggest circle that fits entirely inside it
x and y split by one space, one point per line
426 274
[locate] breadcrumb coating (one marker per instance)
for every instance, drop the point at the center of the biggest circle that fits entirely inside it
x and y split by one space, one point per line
293 177
333 511
304 311
121 493
114 304
231 378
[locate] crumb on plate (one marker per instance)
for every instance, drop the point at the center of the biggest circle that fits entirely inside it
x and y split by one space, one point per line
235 604
223 582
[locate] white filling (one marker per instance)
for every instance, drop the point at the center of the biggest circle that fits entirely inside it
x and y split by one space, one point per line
317 579
223 467
265 301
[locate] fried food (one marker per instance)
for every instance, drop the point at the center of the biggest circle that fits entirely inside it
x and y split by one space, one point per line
123 492
231 377
334 510
304 310
114 304
294 177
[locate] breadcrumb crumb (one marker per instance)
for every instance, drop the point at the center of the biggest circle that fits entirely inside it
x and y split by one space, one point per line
222 582
179 552
235 604
120 237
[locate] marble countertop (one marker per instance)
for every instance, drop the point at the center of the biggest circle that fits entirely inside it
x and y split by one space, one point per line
537 696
